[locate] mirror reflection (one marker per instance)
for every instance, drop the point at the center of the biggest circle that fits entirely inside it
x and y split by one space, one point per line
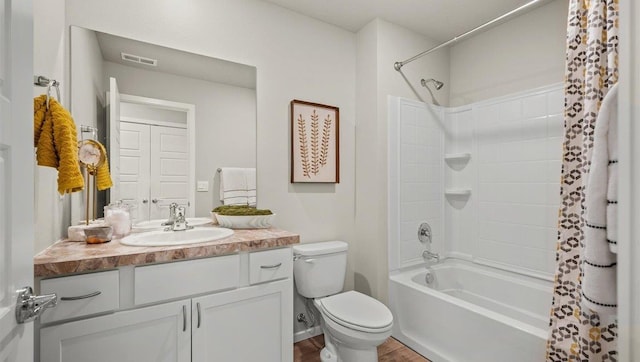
168 118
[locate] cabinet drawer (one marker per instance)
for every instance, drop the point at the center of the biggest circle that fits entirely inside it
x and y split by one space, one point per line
160 282
270 265
81 295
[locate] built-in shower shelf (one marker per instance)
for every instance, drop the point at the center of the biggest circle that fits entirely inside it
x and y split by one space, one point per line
458 192
464 156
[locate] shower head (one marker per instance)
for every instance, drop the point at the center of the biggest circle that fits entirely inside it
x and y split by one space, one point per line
437 83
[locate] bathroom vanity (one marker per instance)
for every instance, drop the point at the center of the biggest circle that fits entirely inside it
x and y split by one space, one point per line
225 300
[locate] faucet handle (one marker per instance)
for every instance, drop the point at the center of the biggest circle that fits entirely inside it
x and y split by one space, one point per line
424 233
180 212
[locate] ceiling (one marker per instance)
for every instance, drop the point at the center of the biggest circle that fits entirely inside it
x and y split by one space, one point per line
437 19
177 62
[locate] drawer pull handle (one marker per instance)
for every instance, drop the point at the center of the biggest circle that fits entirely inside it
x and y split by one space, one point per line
184 318
198 306
90 295
270 266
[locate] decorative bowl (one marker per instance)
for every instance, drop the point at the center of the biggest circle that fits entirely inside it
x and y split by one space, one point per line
98 234
245 222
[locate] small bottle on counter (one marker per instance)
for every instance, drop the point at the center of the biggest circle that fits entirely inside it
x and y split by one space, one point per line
118 216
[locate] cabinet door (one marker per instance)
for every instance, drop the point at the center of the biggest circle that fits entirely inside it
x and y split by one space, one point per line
248 324
157 333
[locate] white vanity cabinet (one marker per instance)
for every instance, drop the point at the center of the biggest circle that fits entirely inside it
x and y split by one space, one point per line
250 324
228 308
157 333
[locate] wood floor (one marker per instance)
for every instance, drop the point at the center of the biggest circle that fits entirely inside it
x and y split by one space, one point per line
390 351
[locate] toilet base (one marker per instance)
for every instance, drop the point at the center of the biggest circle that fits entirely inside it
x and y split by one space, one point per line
328 356
335 351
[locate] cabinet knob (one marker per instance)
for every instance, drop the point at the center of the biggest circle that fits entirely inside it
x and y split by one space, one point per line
145 201
155 201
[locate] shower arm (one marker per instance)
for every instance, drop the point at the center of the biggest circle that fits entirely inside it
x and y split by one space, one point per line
398 65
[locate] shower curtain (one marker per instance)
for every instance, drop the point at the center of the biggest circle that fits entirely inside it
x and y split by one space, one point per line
579 334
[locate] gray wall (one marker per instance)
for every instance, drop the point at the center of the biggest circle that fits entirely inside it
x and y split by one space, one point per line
225 121
521 54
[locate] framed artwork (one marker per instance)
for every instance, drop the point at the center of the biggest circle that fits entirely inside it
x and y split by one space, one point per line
315 135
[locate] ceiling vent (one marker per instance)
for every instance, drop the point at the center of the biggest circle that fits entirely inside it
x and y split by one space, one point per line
138 59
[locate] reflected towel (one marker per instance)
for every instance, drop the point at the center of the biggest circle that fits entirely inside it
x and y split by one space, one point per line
251 186
103 176
600 237
238 186
56 139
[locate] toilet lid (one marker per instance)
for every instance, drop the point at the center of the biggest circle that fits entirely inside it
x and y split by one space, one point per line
358 310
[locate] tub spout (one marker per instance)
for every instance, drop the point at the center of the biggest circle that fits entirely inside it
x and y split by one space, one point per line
430 256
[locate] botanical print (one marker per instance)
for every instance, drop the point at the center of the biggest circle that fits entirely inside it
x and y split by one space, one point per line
314 142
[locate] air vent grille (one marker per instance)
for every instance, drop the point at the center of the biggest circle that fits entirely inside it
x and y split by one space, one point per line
139 59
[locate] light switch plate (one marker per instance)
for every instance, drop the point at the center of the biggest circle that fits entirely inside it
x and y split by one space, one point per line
202 186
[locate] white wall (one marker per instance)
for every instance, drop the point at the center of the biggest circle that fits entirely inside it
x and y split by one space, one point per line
380 45
510 218
52 212
629 198
523 53
315 62
416 170
518 159
225 121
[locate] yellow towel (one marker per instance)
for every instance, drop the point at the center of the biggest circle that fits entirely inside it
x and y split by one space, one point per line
56 138
103 177
43 134
39 110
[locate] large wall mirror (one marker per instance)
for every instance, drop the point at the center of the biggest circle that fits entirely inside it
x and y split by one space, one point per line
169 119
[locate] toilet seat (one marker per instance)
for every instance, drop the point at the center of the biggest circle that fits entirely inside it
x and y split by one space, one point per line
357 311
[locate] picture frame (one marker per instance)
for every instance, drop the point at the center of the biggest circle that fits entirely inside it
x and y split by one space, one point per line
315 142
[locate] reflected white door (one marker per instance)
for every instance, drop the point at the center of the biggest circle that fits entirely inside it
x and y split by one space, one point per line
16 174
169 170
135 175
154 169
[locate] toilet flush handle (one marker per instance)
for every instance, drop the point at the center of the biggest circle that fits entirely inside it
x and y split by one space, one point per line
298 256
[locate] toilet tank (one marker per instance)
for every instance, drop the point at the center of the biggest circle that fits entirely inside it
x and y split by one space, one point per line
319 268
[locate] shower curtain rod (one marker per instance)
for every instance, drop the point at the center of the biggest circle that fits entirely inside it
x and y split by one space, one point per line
398 65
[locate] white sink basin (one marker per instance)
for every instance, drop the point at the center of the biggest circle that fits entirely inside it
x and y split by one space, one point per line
168 238
157 224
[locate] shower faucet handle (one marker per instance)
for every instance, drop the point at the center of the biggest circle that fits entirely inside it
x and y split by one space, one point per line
424 233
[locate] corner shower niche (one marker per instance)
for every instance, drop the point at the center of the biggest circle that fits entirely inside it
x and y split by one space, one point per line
485 176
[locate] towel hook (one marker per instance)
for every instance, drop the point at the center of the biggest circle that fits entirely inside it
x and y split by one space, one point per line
55 84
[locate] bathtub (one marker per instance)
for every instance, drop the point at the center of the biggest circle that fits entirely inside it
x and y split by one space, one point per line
471 313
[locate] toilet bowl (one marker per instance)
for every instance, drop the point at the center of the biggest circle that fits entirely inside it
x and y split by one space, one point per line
354 324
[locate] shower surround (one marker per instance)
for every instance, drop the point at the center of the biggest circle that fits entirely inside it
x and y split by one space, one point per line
485 176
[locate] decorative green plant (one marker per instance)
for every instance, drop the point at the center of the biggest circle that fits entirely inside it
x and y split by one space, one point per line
240 210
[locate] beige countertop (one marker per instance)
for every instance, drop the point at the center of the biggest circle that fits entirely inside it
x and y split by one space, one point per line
67 257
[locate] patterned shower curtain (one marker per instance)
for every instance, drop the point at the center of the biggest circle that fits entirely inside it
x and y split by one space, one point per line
591 69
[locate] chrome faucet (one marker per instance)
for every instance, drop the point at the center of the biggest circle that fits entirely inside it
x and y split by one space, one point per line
180 223
430 257
172 214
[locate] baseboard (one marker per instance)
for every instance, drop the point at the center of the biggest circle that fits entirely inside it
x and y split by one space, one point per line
306 334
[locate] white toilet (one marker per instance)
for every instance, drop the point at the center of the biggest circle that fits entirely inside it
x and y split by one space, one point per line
353 324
